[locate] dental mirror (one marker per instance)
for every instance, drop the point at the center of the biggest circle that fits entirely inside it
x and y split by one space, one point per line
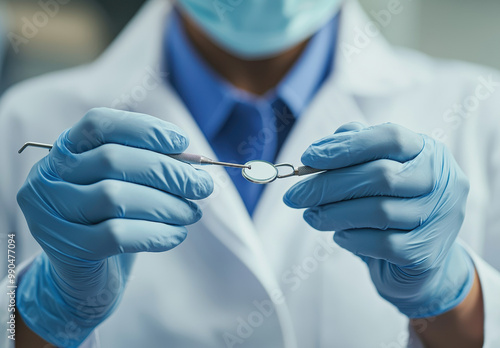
260 172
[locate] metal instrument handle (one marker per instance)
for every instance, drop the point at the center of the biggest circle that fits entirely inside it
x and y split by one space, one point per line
292 171
305 170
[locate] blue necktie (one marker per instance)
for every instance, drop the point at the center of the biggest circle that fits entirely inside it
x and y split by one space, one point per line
252 131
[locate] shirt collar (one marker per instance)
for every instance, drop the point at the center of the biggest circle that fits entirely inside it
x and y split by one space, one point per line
210 98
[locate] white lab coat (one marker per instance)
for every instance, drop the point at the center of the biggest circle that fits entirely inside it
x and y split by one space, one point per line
216 287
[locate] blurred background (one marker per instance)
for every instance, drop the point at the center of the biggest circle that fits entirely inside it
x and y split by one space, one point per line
80 30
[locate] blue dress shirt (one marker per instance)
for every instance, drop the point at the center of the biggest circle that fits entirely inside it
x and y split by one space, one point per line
238 125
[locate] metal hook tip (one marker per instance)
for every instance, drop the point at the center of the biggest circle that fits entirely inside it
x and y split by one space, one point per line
29 143
22 148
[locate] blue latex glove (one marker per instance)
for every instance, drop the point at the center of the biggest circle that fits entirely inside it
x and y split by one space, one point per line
397 200
104 192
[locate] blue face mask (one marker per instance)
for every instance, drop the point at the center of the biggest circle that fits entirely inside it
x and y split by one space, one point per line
256 29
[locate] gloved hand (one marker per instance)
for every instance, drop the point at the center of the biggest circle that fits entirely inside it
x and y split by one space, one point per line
104 192
397 200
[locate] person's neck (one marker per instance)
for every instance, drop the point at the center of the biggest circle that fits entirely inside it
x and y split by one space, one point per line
254 76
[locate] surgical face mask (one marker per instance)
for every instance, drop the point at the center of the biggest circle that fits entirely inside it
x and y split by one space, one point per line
257 29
